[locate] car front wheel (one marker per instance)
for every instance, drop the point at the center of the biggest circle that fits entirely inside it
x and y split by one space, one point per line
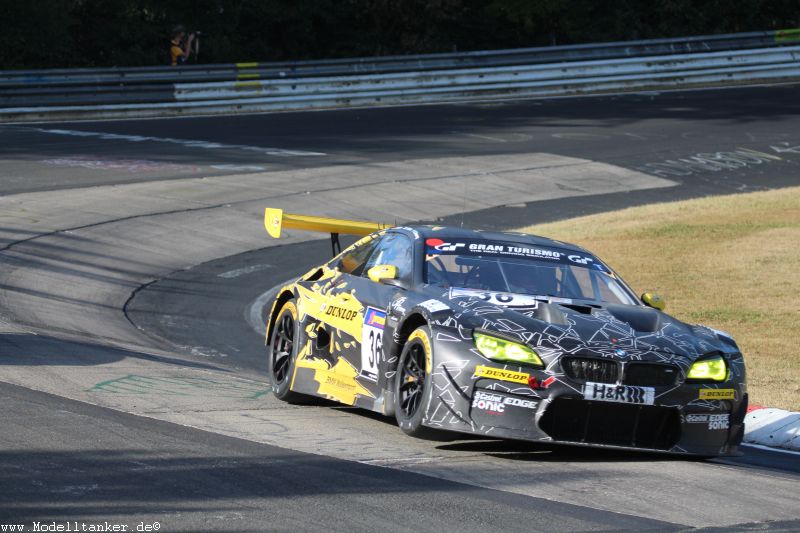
412 382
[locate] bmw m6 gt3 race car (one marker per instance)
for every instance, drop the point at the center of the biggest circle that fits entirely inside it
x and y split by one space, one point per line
500 334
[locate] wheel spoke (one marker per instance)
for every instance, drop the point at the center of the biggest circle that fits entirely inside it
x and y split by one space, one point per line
415 401
407 385
413 367
280 367
408 401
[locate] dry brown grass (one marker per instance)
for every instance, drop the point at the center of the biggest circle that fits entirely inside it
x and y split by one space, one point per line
730 262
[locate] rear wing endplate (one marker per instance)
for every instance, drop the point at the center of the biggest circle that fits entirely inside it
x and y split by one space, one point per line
275 220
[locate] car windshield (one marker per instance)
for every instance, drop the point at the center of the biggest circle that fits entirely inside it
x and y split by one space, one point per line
522 269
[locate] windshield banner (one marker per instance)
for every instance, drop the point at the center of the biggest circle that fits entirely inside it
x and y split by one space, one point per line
481 248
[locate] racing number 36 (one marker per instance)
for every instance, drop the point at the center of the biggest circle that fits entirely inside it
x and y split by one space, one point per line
372 342
375 347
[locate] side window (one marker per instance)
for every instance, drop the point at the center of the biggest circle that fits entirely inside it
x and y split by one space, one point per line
353 262
394 249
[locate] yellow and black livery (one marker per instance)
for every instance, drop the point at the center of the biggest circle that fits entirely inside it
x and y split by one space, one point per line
501 334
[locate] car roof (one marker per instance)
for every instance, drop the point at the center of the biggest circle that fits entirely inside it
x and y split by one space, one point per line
453 232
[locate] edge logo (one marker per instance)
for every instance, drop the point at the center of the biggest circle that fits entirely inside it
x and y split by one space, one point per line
496 403
718 421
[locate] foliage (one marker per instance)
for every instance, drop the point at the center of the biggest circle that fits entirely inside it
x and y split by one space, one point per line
86 33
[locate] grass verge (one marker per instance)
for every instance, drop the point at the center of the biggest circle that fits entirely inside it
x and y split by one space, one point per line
729 262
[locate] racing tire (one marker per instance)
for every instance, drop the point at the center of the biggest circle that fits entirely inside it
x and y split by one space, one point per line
412 385
282 354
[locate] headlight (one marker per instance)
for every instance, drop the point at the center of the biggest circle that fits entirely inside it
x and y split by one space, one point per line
713 369
504 351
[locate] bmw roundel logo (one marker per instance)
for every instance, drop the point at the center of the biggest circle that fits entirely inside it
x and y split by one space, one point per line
620 352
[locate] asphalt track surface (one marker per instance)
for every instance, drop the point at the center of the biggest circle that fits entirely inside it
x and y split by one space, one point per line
632 131
65 459
147 471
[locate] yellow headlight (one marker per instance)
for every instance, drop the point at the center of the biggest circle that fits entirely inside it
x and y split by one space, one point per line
505 351
713 369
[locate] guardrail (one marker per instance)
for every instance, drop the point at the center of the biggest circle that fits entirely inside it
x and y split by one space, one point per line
253 87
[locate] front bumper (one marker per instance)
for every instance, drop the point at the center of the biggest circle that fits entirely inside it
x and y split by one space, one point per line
683 419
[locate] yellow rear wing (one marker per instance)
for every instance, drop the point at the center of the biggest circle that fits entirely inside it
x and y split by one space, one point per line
275 220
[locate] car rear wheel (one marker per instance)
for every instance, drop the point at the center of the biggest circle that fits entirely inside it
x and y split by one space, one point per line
282 353
412 382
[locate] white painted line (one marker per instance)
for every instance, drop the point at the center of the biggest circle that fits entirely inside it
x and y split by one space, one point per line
188 143
240 168
242 271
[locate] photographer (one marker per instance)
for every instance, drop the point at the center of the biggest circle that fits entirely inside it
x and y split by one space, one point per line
180 48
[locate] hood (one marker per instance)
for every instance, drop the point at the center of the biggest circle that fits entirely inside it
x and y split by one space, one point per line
560 326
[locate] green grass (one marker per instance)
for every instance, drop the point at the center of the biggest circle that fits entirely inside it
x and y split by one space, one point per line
730 262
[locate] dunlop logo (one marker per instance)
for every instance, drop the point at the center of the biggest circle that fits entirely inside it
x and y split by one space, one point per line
717 394
501 374
340 312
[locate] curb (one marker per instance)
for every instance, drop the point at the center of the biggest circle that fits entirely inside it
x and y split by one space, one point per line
776 428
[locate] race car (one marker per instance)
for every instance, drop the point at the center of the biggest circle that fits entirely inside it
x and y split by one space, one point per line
499 334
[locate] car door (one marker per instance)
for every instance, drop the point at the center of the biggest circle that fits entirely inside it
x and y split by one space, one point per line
394 249
331 319
344 317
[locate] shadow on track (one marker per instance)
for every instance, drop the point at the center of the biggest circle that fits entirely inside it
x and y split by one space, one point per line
28 349
64 460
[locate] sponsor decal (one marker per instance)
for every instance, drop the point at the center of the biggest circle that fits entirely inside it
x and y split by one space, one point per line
714 421
438 246
496 404
717 394
372 343
718 421
397 305
336 383
696 419
375 318
580 259
501 374
606 392
434 305
497 298
340 312
501 249
482 247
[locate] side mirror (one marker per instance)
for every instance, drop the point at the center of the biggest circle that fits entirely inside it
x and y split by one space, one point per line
653 300
381 273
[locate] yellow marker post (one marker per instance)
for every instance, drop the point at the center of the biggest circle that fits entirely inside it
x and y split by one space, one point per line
787 36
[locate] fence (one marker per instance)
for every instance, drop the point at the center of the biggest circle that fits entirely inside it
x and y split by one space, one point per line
255 87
